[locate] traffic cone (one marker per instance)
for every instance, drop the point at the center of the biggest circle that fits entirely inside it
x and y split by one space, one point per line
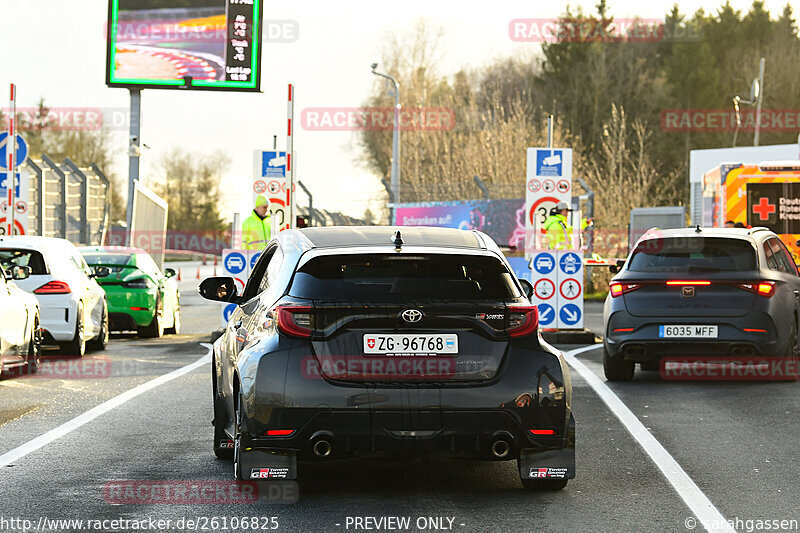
179 274
215 268
198 272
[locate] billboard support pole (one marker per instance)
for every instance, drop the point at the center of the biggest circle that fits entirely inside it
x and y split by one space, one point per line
133 155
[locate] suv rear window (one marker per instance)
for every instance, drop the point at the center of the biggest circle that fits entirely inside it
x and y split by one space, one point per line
29 258
379 277
692 254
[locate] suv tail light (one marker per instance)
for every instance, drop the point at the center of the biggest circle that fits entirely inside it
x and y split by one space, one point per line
522 320
295 320
53 287
762 288
617 288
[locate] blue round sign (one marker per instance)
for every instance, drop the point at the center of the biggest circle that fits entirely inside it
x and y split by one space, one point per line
254 259
546 314
570 263
570 314
22 150
235 263
544 263
228 311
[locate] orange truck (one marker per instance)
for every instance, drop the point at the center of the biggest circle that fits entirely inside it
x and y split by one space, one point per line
767 194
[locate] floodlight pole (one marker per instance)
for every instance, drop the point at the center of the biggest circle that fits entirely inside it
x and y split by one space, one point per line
759 99
135 140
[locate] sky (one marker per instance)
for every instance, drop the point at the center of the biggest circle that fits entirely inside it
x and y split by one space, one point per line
56 49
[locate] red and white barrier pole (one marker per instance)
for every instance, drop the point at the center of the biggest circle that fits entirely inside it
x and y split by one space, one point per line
290 158
11 148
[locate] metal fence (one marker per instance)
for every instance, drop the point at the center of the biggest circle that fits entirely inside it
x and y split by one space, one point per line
67 201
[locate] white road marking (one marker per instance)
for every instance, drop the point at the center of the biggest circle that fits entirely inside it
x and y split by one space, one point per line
80 420
708 516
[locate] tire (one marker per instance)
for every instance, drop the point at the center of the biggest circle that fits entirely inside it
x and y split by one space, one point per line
77 346
155 328
793 350
101 341
176 322
617 369
34 349
544 484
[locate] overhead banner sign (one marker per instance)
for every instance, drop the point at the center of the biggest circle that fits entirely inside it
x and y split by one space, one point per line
184 44
548 181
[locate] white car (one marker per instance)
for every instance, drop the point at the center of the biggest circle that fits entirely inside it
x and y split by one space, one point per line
72 306
19 323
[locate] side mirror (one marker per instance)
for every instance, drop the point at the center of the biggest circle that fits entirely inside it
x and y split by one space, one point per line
100 272
169 272
526 287
20 272
218 289
797 243
614 269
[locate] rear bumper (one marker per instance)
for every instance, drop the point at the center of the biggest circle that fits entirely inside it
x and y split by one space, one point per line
57 314
457 433
643 343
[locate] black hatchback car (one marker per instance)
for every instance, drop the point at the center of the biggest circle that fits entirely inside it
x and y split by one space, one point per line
371 342
701 292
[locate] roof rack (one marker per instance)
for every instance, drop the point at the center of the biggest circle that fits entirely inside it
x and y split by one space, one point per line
759 228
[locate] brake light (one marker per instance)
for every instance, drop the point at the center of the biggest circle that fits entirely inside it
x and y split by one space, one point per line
543 431
763 288
522 320
53 287
138 308
617 288
295 320
279 432
687 282
754 330
623 329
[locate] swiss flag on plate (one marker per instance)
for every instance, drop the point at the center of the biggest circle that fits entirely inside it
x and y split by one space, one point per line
371 343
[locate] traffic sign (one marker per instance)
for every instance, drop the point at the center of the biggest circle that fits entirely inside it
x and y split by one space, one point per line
549 162
4 185
546 314
570 289
259 186
544 289
544 263
19 229
273 164
552 167
549 186
254 258
534 185
570 262
570 314
235 263
22 150
274 187
227 311
563 186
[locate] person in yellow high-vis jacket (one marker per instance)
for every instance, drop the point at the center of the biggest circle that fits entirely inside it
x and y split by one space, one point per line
557 228
256 228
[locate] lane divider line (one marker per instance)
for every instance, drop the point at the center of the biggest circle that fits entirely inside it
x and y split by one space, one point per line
708 516
82 419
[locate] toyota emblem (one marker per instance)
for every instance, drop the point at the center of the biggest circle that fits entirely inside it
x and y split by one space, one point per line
412 315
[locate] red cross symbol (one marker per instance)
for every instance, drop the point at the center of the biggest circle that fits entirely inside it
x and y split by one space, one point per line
764 209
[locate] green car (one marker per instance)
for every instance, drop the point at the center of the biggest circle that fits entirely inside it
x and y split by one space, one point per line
140 297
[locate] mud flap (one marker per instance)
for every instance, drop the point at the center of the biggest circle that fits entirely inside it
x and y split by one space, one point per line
265 465
552 463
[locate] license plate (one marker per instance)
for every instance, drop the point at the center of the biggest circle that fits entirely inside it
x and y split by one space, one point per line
405 344
688 332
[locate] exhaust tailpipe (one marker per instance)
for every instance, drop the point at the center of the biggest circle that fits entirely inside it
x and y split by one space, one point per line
322 448
501 448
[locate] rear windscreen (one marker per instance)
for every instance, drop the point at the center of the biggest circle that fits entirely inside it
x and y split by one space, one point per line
692 254
402 277
107 259
29 258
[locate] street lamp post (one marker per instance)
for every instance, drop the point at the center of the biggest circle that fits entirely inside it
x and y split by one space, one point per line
395 182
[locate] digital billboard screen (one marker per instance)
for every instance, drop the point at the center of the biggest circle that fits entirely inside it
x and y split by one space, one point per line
184 44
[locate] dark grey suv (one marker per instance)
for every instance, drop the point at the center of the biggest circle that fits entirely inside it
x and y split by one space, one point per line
701 292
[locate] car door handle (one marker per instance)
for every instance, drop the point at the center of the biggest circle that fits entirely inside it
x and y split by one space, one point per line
796 294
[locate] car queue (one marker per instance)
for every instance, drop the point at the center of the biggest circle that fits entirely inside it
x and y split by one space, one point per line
51 296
